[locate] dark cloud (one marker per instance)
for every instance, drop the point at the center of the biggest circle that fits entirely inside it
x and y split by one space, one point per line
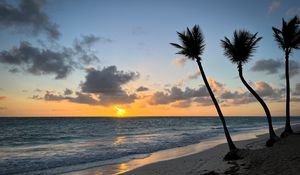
118 98
28 15
231 95
107 81
270 66
14 70
68 92
49 96
2 97
101 87
203 101
141 89
297 89
294 68
82 47
263 89
83 99
79 98
39 61
183 104
175 94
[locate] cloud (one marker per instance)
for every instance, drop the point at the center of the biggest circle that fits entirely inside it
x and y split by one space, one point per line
297 89
176 94
2 97
119 98
180 62
141 89
14 70
192 76
216 86
38 61
83 99
270 66
294 68
264 90
49 96
269 92
28 15
203 101
60 62
107 81
68 92
229 98
101 87
182 104
82 47
79 98
273 6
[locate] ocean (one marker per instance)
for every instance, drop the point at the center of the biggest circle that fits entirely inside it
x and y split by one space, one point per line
37 145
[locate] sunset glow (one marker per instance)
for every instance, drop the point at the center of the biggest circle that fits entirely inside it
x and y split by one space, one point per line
120 112
116 60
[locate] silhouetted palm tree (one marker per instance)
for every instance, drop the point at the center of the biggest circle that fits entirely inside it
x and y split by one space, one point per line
239 50
288 38
192 47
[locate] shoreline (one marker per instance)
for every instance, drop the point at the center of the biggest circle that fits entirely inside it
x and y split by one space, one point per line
217 145
279 159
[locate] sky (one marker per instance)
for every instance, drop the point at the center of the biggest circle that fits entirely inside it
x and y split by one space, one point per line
113 58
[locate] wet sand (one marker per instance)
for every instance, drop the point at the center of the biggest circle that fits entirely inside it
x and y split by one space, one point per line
282 158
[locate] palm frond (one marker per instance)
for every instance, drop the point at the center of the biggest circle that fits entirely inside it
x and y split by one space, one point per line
289 35
192 43
242 46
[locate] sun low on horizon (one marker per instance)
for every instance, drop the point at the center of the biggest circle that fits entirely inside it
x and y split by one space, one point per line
106 58
120 112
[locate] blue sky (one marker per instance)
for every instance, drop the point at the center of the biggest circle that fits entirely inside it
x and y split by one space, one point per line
135 36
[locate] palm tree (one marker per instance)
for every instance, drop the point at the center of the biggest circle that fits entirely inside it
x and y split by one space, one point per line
192 47
288 38
239 50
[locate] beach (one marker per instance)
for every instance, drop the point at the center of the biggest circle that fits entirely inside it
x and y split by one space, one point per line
282 158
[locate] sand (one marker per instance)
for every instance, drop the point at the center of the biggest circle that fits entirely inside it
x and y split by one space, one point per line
283 158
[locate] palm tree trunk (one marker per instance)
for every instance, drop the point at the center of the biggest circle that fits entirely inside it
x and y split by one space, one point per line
288 128
267 111
228 138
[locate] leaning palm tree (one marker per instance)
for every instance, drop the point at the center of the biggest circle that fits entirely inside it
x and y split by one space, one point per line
192 47
288 38
239 50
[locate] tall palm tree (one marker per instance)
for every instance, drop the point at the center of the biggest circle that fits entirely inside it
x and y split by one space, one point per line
288 38
239 50
192 47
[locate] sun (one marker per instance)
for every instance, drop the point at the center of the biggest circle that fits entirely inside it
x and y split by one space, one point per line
120 112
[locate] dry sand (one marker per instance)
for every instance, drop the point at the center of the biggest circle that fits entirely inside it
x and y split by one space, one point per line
283 158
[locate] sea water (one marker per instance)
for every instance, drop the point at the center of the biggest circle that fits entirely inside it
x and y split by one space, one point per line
37 145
